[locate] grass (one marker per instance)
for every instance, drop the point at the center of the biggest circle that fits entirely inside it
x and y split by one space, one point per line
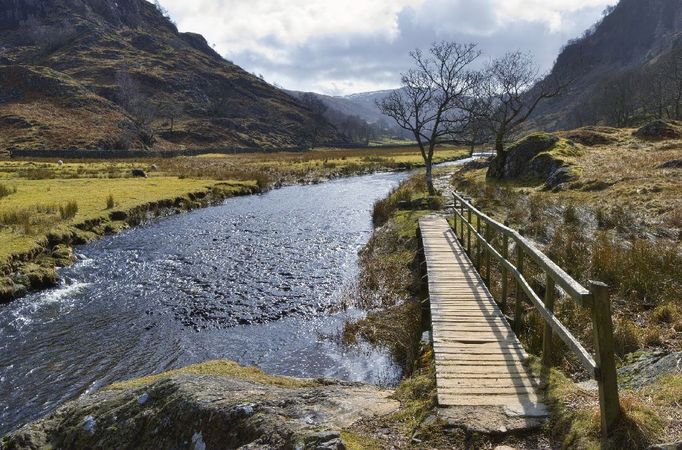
575 422
5 190
223 368
598 234
95 184
615 223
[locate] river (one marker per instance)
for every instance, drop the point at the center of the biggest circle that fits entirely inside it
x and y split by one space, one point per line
257 279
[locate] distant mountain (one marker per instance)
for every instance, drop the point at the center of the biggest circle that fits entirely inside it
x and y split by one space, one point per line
362 105
631 37
99 74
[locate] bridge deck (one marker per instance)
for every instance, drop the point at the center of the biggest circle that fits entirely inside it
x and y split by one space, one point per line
479 360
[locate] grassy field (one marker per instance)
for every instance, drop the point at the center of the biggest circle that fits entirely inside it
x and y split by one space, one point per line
44 204
389 281
619 220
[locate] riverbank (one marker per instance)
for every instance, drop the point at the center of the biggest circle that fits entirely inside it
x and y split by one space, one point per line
46 207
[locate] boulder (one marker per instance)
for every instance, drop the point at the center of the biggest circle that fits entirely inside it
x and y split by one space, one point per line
590 136
668 446
644 368
558 177
672 164
528 158
660 130
216 405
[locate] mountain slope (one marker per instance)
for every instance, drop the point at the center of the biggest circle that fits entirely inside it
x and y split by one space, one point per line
630 37
149 79
362 105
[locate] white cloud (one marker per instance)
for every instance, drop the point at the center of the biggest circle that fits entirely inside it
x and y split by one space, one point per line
238 25
347 46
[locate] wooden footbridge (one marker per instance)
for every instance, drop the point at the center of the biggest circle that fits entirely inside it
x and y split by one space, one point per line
480 362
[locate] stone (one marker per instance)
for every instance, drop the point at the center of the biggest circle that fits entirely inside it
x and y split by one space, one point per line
673 164
527 158
646 367
671 446
660 130
558 177
209 411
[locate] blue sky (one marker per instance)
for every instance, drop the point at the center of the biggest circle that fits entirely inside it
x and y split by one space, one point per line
343 47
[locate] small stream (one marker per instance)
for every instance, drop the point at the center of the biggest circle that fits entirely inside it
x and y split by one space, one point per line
257 279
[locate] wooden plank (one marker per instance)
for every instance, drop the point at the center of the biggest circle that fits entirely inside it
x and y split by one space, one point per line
524 401
479 360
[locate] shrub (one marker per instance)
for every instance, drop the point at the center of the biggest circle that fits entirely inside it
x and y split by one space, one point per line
110 201
20 218
571 215
69 210
666 313
626 337
653 337
6 190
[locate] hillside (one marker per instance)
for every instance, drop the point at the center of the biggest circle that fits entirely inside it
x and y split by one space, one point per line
357 116
346 105
631 38
94 74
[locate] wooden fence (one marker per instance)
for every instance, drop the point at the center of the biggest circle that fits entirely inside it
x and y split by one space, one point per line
471 223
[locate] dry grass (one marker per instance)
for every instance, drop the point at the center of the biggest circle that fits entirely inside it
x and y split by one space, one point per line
217 368
621 234
96 183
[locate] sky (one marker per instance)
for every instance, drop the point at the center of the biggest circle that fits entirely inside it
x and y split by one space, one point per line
341 47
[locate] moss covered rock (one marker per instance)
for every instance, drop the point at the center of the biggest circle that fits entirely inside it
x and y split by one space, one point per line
660 130
216 405
537 156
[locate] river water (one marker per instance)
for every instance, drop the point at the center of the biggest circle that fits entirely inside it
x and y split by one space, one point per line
257 279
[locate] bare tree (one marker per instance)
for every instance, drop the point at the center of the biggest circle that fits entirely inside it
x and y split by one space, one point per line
672 67
131 97
508 90
428 105
170 110
318 123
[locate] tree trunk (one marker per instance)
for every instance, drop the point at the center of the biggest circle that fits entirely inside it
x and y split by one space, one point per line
429 177
499 143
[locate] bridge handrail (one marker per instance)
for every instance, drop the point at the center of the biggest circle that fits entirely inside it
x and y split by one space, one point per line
603 367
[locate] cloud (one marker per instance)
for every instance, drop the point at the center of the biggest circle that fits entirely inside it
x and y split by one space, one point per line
340 47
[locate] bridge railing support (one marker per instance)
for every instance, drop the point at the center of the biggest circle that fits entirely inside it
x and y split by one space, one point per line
602 367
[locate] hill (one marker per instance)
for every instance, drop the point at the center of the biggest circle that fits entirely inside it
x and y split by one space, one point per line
357 116
96 75
611 65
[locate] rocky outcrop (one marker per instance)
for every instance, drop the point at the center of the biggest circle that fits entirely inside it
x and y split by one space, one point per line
632 35
533 157
129 56
591 136
672 164
215 405
660 130
644 368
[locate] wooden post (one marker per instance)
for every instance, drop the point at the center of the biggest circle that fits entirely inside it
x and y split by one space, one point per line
547 338
461 210
454 214
505 275
519 290
478 243
469 233
488 239
607 377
